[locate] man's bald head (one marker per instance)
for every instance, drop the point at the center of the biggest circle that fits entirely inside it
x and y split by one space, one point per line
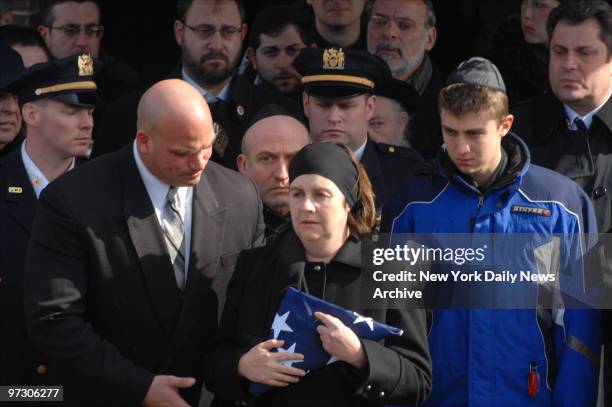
174 132
267 149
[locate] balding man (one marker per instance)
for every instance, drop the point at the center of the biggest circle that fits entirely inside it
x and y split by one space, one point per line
130 256
268 146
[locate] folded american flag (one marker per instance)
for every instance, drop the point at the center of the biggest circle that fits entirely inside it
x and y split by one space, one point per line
296 324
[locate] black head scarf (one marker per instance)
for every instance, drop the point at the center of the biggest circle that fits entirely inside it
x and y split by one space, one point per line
329 161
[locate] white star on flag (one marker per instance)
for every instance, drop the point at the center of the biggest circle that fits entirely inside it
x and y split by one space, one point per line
280 324
367 320
289 349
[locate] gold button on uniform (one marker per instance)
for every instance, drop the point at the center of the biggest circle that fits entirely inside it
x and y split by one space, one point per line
41 369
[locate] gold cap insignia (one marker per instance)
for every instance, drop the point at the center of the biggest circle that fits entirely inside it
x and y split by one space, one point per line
15 190
333 58
85 65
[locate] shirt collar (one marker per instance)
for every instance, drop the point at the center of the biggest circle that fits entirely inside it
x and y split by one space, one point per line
359 152
587 119
157 189
209 98
35 175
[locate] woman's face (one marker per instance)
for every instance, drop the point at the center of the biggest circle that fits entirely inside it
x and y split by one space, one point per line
318 209
534 14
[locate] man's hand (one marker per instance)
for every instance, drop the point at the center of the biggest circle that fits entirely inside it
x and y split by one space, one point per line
164 391
340 341
259 365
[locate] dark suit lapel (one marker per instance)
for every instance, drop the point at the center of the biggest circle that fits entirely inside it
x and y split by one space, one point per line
605 115
147 239
19 191
207 235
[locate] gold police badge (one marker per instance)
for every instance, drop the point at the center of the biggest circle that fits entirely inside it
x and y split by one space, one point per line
85 64
333 58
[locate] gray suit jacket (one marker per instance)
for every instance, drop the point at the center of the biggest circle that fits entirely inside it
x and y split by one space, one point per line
101 297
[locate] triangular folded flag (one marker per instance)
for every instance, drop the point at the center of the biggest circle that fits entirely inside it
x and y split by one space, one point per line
296 324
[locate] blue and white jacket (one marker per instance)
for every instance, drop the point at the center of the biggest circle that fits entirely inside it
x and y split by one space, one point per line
483 357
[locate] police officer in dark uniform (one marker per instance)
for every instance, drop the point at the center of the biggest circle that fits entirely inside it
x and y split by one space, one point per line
339 100
56 100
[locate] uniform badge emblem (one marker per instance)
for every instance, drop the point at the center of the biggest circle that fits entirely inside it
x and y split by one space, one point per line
221 139
333 58
15 190
85 64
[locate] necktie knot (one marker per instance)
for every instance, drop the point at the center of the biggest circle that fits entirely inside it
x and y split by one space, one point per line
174 200
580 126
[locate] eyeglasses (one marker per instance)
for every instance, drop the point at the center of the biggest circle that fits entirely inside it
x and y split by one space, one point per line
72 30
404 24
206 31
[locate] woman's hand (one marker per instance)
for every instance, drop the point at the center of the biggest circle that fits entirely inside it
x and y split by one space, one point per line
340 341
259 365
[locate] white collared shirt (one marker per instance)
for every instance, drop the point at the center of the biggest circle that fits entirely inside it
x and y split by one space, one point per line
587 119
35 175
359 152
158 192
209 98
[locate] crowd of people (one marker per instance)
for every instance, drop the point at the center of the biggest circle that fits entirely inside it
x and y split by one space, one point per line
149 234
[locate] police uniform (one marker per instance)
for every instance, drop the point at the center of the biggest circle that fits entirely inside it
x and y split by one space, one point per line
337 73
68 80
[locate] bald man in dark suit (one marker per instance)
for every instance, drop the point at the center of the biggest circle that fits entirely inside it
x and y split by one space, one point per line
122 308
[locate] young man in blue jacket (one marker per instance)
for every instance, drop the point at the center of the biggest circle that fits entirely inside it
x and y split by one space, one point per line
484 184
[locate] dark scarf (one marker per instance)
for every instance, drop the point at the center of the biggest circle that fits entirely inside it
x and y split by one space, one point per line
421 77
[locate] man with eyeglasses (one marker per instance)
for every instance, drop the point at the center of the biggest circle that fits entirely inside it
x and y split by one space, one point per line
402 32
72 27
210 34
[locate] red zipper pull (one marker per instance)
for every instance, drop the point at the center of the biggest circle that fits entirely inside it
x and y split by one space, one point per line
533 380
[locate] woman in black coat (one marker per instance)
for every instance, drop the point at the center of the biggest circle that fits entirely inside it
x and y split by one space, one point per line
331 203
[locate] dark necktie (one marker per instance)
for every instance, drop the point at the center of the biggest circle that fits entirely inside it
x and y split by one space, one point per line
580 128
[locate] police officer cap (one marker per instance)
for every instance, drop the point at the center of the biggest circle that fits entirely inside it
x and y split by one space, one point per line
400 91
11 66
478 71
338 72
69 80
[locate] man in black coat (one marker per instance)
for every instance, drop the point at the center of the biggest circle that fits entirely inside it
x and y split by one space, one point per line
570 131
210 35
339 102
130 256
58 127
